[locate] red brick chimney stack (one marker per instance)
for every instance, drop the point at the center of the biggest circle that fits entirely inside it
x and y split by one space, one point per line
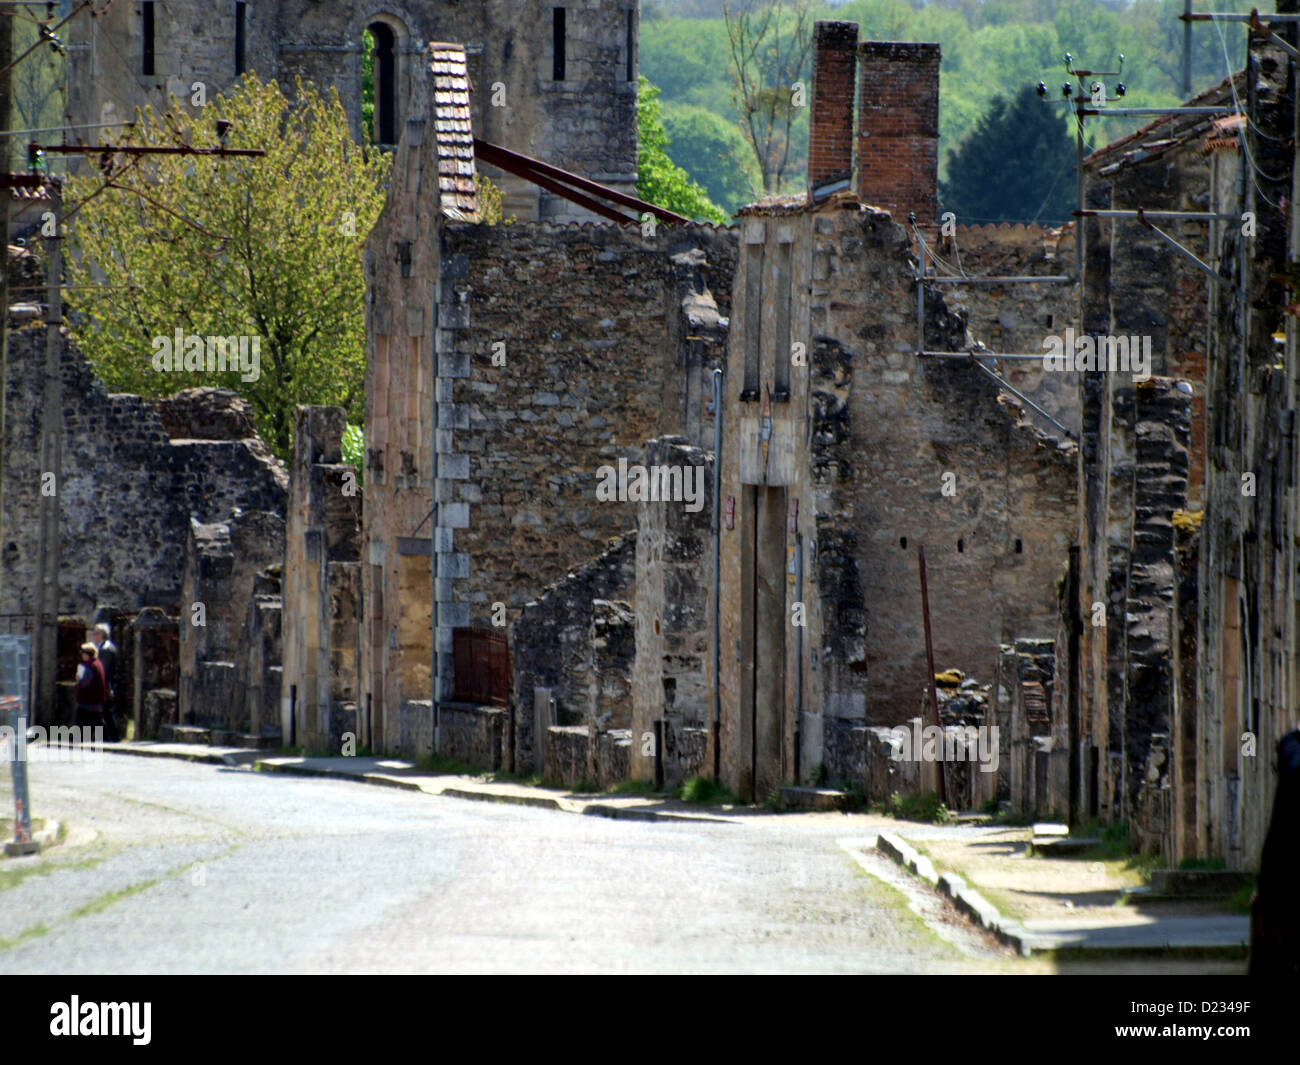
830 134
898 128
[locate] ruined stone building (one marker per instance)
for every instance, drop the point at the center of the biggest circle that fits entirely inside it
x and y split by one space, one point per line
545 352
844 450
552 81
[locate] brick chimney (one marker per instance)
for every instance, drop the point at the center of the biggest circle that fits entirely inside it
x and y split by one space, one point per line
898 128
830 133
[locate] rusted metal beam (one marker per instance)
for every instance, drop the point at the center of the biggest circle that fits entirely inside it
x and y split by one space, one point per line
530 169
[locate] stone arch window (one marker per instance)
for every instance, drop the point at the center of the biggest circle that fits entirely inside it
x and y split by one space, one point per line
379 80
241 38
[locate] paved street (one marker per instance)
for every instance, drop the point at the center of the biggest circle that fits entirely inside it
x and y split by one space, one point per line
179 867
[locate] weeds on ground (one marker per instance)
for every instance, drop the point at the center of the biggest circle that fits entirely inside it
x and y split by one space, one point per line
706 791
1202 864
926 808
530 780
644 788
440 763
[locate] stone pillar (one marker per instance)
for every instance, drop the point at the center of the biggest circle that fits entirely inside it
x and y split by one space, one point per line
157 650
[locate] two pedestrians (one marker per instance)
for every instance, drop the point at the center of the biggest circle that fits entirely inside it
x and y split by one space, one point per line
106 653
91 691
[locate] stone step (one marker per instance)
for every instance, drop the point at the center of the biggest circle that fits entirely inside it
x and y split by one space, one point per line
1199 883
798 798
1056 846
186 734
268 741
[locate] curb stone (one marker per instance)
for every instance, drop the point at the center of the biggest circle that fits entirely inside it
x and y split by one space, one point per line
252 761
967 900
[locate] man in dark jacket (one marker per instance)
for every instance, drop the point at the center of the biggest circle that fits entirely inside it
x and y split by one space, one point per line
91 689
106 652
1274 935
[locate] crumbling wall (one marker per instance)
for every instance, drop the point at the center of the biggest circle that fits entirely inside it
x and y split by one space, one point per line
322 583
674 565
552 643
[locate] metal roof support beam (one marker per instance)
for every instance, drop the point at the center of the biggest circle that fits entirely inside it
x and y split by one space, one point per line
1003 383
1185 252
1050 279
1185 216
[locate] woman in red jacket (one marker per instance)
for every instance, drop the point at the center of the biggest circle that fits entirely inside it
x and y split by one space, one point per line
91 689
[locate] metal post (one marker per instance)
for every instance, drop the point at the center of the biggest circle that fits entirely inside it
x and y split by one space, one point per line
929 664
1187 50
1078 179
717 584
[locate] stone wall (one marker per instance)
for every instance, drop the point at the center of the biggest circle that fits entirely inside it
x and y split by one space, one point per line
222 565
553 646
126 491
672 677
1246 598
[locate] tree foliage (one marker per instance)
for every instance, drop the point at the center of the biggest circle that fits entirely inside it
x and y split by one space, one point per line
1017 165
769 43
659 180
267 247
707 144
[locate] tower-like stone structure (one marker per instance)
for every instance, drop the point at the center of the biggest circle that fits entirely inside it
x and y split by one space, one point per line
556 81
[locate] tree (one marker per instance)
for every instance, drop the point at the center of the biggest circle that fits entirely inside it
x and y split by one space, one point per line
659 180
712 151
770 43
1017 165
266 248
38 88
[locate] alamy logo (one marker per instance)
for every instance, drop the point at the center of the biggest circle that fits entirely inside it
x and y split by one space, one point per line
197 354
1131 354
102 1018
955 743
656 484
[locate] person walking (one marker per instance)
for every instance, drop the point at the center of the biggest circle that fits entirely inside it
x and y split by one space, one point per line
106 652
91 689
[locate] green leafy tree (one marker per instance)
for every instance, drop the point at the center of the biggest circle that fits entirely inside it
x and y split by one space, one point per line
712 150
659 180
261 247
1016 166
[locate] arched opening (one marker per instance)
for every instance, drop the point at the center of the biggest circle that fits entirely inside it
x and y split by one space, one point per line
379 84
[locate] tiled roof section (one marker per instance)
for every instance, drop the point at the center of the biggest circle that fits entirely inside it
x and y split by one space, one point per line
453 131
1158 137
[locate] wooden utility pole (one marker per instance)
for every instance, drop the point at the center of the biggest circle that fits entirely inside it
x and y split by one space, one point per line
6 110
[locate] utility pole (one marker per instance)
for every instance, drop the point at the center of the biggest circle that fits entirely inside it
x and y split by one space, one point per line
6 109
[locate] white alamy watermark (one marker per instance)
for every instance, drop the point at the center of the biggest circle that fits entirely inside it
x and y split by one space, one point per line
952 743
191 353
77 1018
58 743
1122 354
653 484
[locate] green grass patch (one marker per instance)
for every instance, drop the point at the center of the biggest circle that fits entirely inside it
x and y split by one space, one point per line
1205 864
706 791
643 788
529 780
1239 902
925 808
440 763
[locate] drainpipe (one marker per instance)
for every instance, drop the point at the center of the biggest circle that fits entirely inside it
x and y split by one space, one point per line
434 614
715 408
798 658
